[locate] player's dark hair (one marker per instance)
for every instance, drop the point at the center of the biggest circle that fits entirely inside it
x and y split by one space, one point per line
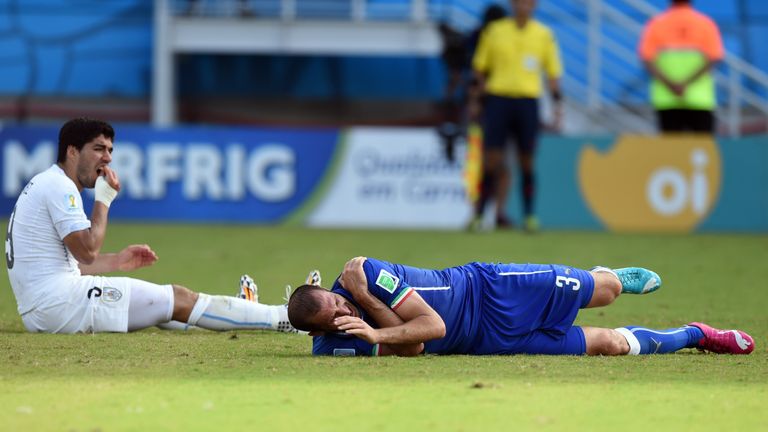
77 132
303 305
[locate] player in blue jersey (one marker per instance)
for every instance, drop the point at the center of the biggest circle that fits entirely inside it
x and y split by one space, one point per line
380 308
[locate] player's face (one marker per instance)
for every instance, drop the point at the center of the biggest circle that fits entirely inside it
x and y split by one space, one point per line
93 157
523 8
332 306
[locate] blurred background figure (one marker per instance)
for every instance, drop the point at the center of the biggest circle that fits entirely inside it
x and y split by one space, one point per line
457 53
455 58
679 48
511 56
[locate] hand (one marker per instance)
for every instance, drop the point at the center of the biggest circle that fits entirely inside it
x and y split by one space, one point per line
353 279
677 88
134 257
358 327
557 117
111 176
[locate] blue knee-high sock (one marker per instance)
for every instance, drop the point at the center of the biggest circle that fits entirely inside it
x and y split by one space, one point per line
646 341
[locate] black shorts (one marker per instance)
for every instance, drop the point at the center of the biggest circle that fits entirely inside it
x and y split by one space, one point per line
686 120
515 118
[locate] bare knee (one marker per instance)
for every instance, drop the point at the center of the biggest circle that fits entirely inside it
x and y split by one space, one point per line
184 300
494 162
602 341
607 289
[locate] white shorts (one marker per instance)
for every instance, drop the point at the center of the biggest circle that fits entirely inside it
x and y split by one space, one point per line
92 304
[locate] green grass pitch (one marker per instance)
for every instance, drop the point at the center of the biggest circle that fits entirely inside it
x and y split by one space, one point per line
263 381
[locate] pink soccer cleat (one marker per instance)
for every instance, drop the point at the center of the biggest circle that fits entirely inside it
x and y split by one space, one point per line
724 341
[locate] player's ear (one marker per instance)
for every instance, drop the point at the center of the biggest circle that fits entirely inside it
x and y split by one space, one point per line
316 333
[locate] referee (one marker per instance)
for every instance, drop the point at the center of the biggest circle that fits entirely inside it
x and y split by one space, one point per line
511 57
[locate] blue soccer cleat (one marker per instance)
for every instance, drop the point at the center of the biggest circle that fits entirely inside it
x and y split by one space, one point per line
637 280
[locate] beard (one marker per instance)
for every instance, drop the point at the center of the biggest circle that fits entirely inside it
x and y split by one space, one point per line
86 177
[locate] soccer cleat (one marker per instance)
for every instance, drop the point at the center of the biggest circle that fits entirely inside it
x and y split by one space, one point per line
504 223
724 341
636 280
248 289
475 225
314 278
531 224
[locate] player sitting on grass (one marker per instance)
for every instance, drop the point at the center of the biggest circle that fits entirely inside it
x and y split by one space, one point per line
53 255
380 308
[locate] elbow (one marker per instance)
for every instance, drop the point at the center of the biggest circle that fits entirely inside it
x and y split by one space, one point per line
409 350
87 258
439 328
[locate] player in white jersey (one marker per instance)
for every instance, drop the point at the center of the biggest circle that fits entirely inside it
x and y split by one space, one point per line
54 259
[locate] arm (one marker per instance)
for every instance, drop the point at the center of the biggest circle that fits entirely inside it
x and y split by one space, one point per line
421 323
130 258
678 88
402 332
475 96
706 67
353 280
86 244
557 103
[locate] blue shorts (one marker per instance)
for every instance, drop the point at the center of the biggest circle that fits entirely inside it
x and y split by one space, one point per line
531 309
515 118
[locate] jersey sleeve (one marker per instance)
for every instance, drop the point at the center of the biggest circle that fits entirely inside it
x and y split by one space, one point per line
342 345
480 58
714 42
384 283
552 64
648 46
65 206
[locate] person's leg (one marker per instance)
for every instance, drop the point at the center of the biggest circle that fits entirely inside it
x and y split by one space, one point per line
634 340
150 305
495 130
702 121
642 340
607 289
669 120
603 341
216 312
638 340
526 136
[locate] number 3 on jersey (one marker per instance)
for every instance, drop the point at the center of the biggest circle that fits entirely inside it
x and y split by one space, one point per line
562 281
9 242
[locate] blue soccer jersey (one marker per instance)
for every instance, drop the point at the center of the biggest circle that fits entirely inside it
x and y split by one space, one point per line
487 308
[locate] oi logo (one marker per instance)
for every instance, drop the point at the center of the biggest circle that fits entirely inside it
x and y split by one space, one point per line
652 183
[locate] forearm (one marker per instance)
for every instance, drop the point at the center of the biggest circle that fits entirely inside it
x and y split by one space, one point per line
95 238
700 72
656 73
381 313
104 263
415 331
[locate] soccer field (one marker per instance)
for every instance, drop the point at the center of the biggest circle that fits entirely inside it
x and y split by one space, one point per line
254 380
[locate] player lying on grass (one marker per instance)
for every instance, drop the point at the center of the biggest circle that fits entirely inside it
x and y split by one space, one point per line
380 308
53 255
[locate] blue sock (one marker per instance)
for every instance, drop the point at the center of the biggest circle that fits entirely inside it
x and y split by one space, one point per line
646 341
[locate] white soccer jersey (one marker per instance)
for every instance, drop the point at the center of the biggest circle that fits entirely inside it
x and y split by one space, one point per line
49 208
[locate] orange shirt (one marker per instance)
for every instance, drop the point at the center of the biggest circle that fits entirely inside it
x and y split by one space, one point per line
680 28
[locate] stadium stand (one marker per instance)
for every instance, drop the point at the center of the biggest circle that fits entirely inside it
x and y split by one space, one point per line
335 61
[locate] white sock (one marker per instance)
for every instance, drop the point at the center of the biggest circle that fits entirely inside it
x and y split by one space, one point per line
216 312
634 344
176 325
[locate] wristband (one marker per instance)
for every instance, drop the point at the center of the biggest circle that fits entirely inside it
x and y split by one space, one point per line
104 192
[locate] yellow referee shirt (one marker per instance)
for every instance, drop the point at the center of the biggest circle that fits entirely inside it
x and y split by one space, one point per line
513 59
